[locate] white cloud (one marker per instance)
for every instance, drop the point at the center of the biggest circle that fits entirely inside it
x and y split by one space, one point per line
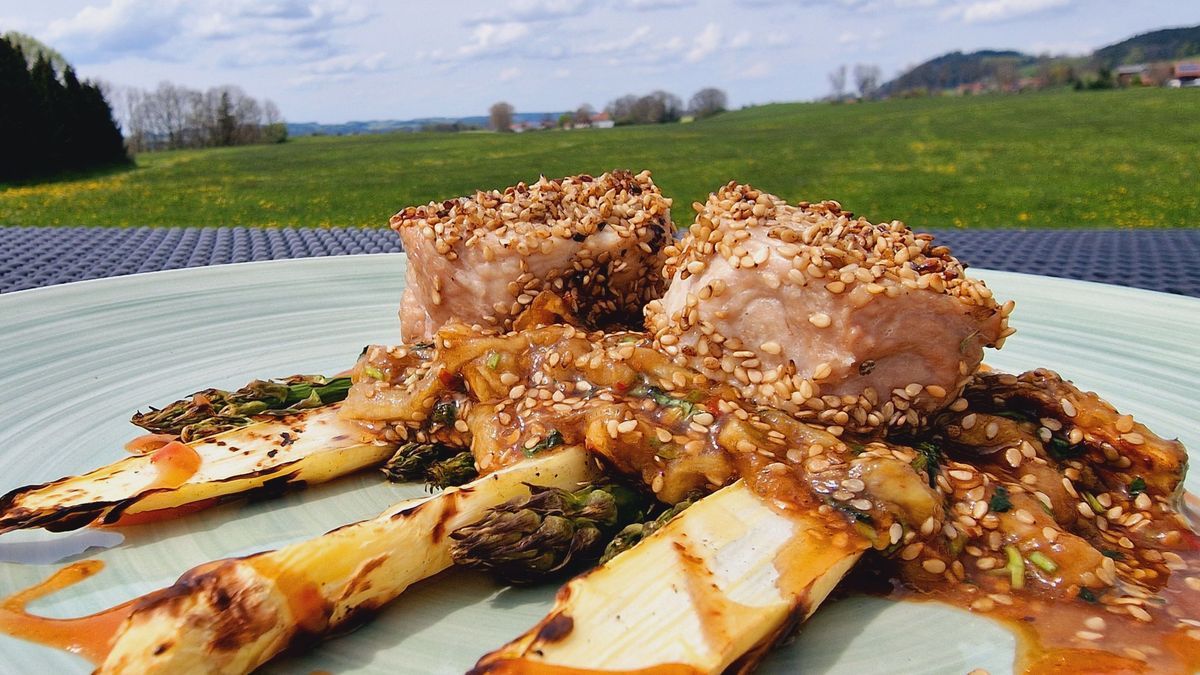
509 74
295 31
741 40
705 43
982 11
756 71
561 73
533 11
121 27
650 5
488 38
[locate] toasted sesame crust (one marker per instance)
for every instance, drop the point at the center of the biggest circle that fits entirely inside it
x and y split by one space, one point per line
596 241
758 240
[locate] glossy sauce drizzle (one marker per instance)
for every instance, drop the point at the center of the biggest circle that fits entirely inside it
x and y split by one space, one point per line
88 636
174 463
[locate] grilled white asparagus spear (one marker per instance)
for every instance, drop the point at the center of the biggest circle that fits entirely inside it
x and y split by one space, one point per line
310 446
727 578
233 615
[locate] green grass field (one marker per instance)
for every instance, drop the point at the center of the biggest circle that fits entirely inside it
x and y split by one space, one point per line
1071 159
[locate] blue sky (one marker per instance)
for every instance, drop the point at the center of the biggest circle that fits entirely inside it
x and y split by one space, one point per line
339 60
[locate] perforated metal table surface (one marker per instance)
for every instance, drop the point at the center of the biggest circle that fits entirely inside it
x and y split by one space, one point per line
32 257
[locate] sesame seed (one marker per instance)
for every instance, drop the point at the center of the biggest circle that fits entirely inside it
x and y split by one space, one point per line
1095 623
933 565
508 379
627 426
820 320
968 421
771 347
1067 407
1088 635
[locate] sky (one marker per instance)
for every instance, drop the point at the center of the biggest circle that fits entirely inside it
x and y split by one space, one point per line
340 60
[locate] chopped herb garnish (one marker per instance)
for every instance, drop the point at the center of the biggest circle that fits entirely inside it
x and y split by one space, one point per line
493 360
445 413
686 408
1061 449
857 448
1015 415
929 460
1137 486
1043 562
1097 507
374 373
552 439
1087 595
858 516
1015 567
1115 555
1000 501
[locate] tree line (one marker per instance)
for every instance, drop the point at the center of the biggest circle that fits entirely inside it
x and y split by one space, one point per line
657 107
50 120
172 116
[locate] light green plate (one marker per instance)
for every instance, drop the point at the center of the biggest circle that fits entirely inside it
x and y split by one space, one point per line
76 360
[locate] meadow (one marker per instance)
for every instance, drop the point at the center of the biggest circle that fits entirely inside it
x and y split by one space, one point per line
1127 158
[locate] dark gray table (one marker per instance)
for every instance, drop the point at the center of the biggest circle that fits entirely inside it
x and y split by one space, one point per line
31 257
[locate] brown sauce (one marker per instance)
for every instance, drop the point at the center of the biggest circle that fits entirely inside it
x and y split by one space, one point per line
89 636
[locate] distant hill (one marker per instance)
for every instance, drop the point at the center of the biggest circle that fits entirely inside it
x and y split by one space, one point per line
956 68
1159 45
389 126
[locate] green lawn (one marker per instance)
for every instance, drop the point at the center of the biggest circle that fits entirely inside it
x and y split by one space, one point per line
1068 159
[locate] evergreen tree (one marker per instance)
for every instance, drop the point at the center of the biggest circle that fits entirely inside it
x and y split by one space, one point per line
50 121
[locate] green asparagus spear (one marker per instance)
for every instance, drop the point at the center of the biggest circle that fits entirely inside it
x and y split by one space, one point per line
530 538
212 411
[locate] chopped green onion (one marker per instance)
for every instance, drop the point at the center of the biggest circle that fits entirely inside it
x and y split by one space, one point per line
1015 567
493 360
1000 501
932 456
1043 562
373 372
552 439
445 413
1087 595
1091 500
1137 486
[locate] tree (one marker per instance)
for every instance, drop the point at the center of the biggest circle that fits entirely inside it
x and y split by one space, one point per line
866 79
500 116
621 109
50 121
708 102
837 82
583 115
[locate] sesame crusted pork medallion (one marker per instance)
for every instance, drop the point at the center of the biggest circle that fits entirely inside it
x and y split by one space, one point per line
854 325
596 241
